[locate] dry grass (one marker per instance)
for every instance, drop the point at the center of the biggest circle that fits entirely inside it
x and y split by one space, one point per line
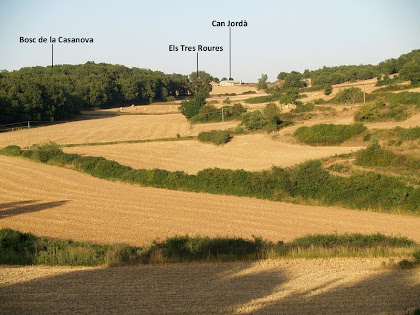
333 286
56 202
249 152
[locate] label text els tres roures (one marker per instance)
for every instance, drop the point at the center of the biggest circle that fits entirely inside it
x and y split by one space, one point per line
198 48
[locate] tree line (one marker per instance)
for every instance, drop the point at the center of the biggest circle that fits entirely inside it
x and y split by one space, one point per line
45 93
407 65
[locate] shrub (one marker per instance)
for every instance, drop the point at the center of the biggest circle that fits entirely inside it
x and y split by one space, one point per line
374 155
330 134
303 108
350 96
45 152
212 113
248 92
398 108
260 99
328 89
190 108
217 137
187 248
356 240
11 150
254 120
319 101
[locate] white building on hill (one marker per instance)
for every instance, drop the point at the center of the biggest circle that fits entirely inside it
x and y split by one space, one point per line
230 83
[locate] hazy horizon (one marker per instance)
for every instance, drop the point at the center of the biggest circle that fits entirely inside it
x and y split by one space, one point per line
280 36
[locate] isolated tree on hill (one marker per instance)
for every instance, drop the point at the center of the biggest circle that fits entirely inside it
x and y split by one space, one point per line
289 96
272 113
262 82
200 83
294 80
350 96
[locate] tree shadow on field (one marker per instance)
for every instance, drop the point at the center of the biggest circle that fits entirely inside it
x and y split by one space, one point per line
10 209
189 288
206 288
391 292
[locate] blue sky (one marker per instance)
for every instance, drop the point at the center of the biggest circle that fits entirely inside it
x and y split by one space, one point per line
280 36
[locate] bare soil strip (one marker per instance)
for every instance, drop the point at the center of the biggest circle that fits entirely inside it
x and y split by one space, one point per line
334 286
57 202
250 152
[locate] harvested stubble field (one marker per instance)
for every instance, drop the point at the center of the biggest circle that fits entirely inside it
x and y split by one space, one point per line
334 286
248 152
114 128
56 202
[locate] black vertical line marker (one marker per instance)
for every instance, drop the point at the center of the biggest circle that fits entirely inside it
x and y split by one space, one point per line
197 65
52 55
230 53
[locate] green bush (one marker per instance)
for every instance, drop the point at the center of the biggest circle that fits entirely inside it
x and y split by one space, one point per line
374 155
303 108
191 108
331 134
187 248
217 137
350 96
269 120
254 120
45 152
399 107
211 113
260 99
328 89
248 92
11 150
356 240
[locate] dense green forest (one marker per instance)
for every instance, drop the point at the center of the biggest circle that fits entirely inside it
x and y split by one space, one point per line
45 93
407 65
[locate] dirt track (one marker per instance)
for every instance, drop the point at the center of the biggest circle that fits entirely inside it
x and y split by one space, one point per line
56 202
250 152
334 286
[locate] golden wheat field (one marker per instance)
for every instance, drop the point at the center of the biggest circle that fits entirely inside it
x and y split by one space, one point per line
249 152
111 128
67 204
333 286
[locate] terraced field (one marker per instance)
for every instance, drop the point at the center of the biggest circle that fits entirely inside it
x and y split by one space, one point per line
56 202
250 152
